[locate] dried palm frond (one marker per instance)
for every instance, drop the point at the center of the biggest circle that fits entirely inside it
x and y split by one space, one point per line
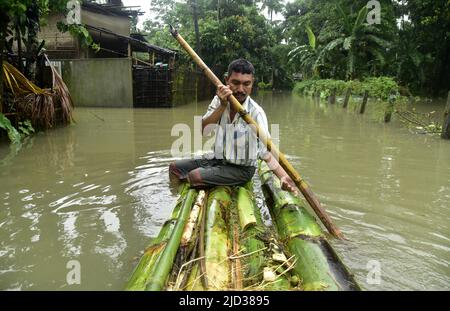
38 108
39 105
62 95
18 83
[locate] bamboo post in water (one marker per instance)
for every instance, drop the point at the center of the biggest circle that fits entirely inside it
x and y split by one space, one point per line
364 102
446 125
347 97
390 109
298 180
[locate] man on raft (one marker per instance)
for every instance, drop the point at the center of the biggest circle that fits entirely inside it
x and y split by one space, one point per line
236 147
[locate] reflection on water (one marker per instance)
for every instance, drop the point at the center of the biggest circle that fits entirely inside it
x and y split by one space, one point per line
98 191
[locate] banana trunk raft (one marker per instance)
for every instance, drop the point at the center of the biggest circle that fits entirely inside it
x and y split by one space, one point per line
215 239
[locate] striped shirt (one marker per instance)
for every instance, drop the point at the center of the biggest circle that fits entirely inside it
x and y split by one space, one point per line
236 142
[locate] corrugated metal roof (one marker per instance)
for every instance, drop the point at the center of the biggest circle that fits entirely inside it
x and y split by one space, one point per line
139 45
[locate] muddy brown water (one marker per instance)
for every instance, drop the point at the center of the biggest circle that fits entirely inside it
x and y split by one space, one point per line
96 192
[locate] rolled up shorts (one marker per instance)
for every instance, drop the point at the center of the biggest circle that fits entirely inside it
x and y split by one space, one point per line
213 172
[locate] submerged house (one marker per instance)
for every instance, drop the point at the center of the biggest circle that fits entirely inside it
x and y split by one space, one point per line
113 76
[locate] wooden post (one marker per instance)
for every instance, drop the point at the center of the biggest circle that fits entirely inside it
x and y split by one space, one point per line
446 125
332 98
347 97
364 102
390 109
316 97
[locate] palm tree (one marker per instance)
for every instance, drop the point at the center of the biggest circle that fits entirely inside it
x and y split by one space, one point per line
273 6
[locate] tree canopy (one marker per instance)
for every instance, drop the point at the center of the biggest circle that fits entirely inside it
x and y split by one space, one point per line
316 38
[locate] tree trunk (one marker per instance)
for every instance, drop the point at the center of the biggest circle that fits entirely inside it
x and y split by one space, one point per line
197 32
446 125
19 48
32 41
272 75
218 10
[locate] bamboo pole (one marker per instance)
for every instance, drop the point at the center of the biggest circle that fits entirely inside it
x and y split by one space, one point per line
446 125
298 180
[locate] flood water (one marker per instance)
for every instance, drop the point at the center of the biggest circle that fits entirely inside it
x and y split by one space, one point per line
97 191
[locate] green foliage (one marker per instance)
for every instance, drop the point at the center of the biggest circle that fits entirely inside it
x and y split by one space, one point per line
383 88
80 32
319 39
324 87
227 30
380 87
25 128
264 86
304 87
24 16
13 134
307 56
403 46
311 38
422 60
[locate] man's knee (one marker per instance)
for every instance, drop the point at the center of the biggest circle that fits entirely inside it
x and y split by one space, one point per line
174 171
194 178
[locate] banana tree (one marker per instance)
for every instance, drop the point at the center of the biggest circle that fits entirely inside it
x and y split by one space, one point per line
356 41
307 56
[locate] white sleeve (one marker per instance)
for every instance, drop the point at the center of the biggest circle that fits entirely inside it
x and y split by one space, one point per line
261 119
215 103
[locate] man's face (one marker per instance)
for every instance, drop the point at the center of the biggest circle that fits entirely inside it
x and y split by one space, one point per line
241 85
